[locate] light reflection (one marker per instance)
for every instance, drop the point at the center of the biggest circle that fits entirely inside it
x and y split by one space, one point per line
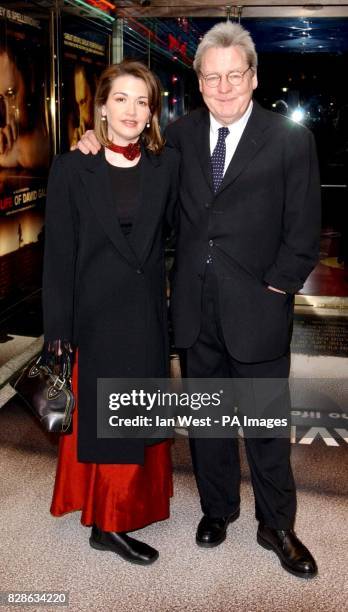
298 115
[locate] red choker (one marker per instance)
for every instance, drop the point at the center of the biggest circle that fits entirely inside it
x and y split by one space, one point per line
130 152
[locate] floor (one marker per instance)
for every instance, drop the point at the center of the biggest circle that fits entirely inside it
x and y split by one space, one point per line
43 553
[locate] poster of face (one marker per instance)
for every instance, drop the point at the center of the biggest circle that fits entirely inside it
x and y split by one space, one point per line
85 54
24 144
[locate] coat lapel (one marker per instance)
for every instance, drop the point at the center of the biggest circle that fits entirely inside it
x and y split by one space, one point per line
200 136
151 201
96 178
251 142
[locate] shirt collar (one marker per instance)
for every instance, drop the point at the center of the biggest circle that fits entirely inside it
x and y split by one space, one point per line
215 125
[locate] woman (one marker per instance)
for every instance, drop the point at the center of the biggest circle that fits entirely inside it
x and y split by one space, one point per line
104 293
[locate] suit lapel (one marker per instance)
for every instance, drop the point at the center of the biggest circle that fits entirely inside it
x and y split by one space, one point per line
201 138
252 140
98 185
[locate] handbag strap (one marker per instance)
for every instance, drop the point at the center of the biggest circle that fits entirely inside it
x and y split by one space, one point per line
58 355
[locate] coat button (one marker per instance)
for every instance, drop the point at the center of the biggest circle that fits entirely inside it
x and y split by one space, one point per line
211 243
140 271
207 205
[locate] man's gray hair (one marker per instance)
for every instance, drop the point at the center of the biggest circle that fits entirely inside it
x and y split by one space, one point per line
226 34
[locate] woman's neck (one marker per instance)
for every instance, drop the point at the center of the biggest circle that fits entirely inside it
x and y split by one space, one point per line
118 159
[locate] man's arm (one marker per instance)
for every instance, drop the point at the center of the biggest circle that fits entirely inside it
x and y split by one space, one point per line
171 136
299 248
89 143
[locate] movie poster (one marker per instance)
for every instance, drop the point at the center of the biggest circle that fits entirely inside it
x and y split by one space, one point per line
25 148
85 54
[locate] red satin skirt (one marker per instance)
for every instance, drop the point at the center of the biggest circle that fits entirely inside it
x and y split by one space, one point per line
115 497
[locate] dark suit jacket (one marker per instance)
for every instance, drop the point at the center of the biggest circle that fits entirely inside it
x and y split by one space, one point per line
105 292
262 228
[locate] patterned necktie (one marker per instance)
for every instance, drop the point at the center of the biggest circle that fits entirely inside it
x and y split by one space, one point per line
218 158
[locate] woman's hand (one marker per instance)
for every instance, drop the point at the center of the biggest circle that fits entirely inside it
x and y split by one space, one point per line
58 355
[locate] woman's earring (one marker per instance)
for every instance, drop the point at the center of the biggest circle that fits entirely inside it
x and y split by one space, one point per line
148 123
103 117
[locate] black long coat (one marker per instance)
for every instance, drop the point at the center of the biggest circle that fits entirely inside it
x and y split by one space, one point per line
261 228
103 291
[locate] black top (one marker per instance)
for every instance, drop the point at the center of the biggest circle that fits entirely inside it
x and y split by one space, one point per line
125 184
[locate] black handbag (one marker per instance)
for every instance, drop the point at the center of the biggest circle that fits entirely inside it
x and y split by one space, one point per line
48 396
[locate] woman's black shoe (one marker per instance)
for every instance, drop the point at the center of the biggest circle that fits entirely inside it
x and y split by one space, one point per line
120 543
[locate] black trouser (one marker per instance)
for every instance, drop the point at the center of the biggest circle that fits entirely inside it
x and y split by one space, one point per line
216 461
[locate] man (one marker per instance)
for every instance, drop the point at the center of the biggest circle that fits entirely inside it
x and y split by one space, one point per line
24 140
249 234
84 98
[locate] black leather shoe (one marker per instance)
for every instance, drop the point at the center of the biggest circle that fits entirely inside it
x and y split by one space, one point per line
120 543
212 531
293 555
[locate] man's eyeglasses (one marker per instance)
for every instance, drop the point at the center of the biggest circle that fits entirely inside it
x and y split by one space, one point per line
234 78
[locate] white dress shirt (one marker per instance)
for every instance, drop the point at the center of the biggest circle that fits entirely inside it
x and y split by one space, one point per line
233 138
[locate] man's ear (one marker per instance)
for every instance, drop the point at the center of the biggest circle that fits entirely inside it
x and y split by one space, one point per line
254 79
200 84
